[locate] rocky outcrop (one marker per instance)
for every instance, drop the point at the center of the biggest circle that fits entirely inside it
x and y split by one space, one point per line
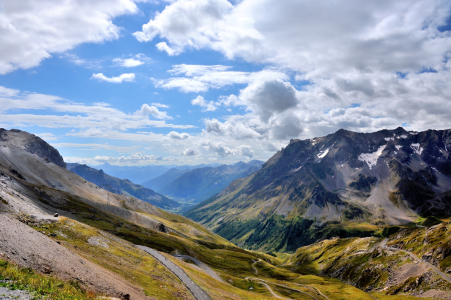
32 144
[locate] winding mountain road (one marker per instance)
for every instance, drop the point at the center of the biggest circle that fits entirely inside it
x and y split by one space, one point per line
272 292
443 275
253 266
213 274
203 266
307 286
197 292
262 281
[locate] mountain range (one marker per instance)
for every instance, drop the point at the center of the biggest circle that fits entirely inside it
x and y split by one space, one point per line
140 174
123 186
110 245
343 184
90 250
199 184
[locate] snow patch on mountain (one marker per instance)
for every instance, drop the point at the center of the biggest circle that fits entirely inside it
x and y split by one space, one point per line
323 153
416 148
297 169
398 147
371 158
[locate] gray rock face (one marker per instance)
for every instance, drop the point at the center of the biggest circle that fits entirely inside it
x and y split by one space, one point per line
32 144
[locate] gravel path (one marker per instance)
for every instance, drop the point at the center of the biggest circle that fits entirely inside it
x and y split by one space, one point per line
14 294
253 266
262 281
6 293
443 275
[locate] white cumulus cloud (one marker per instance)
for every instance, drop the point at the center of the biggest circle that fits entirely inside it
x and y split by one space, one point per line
153 111
118 79
314 37
178 136
201 78
190 152
134 61
206 105
31 31
160 105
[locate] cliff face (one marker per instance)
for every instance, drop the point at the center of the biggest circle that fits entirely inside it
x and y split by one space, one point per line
32 144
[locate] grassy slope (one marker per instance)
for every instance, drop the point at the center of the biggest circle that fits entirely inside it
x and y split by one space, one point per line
118 256
434 242
282 234
40 285
232 263
255 230
359 262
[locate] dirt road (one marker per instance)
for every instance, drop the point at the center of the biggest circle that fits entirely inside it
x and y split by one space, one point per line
443 275
262 281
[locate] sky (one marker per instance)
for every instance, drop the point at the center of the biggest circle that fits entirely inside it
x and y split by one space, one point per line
201 81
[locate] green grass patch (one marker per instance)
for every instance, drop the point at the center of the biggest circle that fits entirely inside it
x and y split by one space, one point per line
119 256
39 285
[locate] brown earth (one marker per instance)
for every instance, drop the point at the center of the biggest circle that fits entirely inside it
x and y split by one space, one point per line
29 248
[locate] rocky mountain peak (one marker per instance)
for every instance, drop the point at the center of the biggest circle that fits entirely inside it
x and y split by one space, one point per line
32 144
386 177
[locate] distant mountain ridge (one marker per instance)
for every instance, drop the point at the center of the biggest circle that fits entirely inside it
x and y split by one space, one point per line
140 174
320 187
200 183
123 187
161 181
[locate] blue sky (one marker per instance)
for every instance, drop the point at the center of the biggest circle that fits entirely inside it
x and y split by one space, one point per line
189 82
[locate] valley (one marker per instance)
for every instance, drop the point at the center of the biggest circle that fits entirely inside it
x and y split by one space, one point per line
225 150
99 232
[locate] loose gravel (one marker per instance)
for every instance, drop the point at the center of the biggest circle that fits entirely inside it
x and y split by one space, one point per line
6 293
